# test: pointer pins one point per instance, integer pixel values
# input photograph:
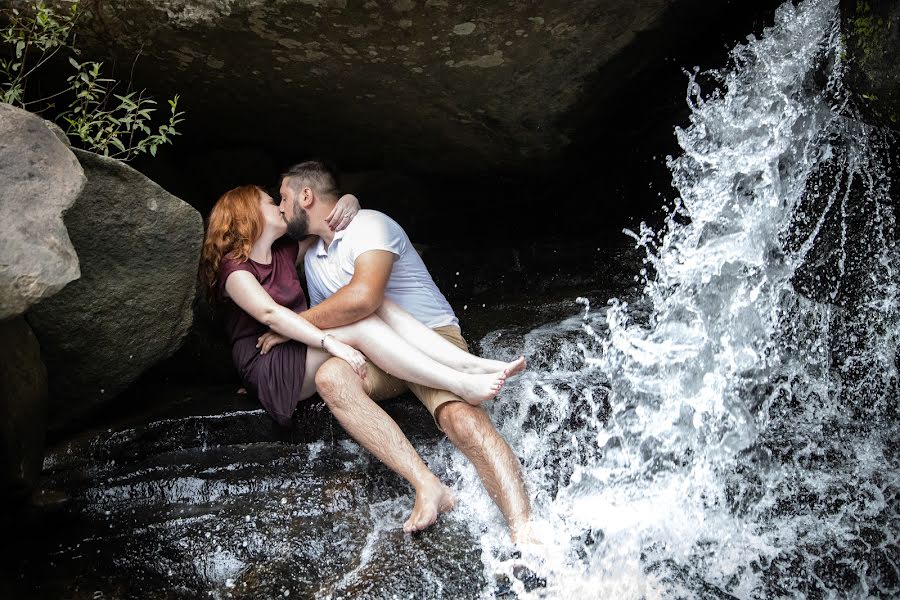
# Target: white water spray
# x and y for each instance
(737, 439)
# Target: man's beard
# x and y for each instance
(298, 226)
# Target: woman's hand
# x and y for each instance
(269, 340)
(343, 212)
(353, 356)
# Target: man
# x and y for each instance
(349, 273)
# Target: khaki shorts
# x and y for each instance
(383, 386)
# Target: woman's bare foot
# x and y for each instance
(515, 367)
(476, 389)
(489, 365)
(431, 500)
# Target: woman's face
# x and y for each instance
(272, 217)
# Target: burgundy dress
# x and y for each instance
(276, 377)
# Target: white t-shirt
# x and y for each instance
(410, 285)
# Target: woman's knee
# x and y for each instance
(387, 308)
(357, 333)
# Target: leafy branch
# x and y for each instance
(116, 125)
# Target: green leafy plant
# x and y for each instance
(116, 125)
(869, 31)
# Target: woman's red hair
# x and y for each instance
(235, 222)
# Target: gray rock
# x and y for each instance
(23, 409)
(139, 248)
(445, 86)
(59, 133)
(41, 179)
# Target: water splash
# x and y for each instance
(732, 433)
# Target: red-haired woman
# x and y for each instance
(248, 267)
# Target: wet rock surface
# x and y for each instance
(233, 505)
(23, 410)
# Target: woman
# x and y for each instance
(249, 268)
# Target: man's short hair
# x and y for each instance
(316, 174)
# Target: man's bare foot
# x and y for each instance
(431, 500)
(525, 535)
(476, 389)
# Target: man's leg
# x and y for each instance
(470, 429)
(348, 398)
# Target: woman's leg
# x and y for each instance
(381, 344)
(436, 347)
(315, 358)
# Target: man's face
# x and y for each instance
(294, 215)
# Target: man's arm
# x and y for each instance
(359, 298)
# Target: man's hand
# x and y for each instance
(343, 212)
(269, 340)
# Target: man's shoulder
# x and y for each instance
(369, 224)
(369, 218)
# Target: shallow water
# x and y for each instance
(229, 505)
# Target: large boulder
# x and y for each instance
(41, 179)
(23, 409)
(139, 248)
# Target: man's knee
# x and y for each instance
(461, 421)
(336, 381)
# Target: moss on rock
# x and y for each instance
(872, 34)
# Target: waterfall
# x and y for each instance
(731, 432)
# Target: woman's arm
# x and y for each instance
(343, 212)
(246, 292)
(339, 217)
